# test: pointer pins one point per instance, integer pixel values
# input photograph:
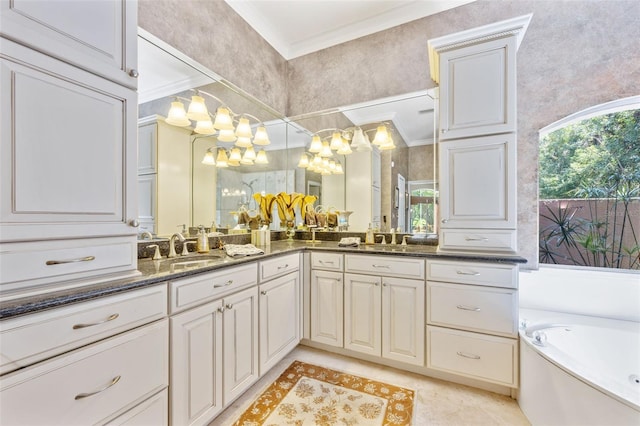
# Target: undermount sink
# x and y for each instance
(192, 261)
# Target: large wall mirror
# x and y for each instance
(187, 176)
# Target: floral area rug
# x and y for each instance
(306, 394)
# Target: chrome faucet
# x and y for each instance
(528, 331)
(172, 244)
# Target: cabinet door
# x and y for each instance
(478, 89)
(403, 321)
(362, 315)
(99, 36)
(147, 198)
(147, 144)
(196, 365)
(240, 342)
(279, 319)
(327, 308)
(72, 174)
(477, 183)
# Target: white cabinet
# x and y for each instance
(384, 316)
(363, 314)
(476, 70)
(279, 319)
(478, 183)
(99, 36)
(362, 194)
(68, 136)
(472, 318)
(164, 176)
(240, 343)
(327, 307)
(196, 364)
(478, 89)
(91, 385)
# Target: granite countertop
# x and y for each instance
(158, 271)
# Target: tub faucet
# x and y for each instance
(542, 326)
(172, 244)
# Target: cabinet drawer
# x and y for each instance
(489, 274)
(478, 239)
(199, 289)
(32, 338)
(90, 385)
(391, 266)
(488, 358)
(279, 266)
(484, 309)
(153, 411)
(327, 261)
(24, 265)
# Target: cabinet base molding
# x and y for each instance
(491, 387)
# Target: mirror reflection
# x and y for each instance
(374, 162)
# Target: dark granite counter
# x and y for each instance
(158, 271)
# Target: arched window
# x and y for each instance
(589, 187)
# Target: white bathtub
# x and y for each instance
(587, 373)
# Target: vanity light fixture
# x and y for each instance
(316, 144)
(261, 157)
(336, 141)
(243, 130)
(197, 109)
(261, 138)
(235, 155)
(223, 120)
(177, 116)
(325, 152)
(226, 135)
(208, 158)
(360, 141)
(381, 137)
(222, 160)
(204, 128)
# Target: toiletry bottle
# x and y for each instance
(203, 241)
(368, 238)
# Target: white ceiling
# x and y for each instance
(298, 27)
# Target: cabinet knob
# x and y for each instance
(134, 223)
(445, 220)
(134, 73)
(443, 130)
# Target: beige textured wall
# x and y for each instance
(575, 54)
(213, 34)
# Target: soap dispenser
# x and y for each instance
(203, 241)
(368, 237)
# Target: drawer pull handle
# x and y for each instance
(228, 283)
(476, 239)
(286, 265)
(229, 306)
(263, 292)
(80, 259)
(466, 355)
(86, 395)
(110, 318)
(475, 274)
(380, 266)
(328, 262)
(468, 308)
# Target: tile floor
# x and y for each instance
(437, 402)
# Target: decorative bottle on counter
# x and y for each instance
(203, 241)
(368, 237)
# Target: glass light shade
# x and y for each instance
(359, 143)
(326, 150)
(336, 141)
(317, 160)
(222, 160)
(261, 138)
(339, 169)
(208, 158)
(246, 161)
(345, 149)
(388, 145)
(243, 142)
(261, 157)
(304, 161)
(332, 165)
(382, 136)
(223, 120)
(249, 154)
(244, 128)
(234, 163)
(177, 116)
(204, 128)
(226, 135)
(316, 144)
(197, 109)
(365, 146)
(235, 155)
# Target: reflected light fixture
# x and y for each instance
(223, 120)
(316, 144)
(261, 138)
(222, 160)
(226, 135)
(208, 158)
(261, 157)
(325, 152)
(205, 128)
(243, 130)
(336, 141)
(177, 115)
(197, 109)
